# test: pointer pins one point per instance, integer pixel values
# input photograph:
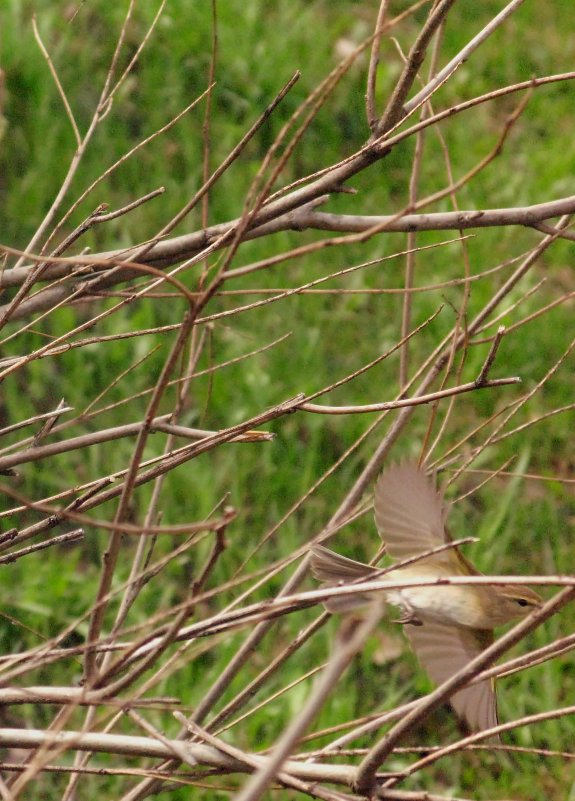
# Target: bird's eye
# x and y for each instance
(522, 602)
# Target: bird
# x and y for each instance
(447, 626)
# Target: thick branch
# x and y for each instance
(35, 454)
(202, 755)
(172, 251)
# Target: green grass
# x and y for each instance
(524, 526)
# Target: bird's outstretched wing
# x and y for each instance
(443, 651)
(409, 512)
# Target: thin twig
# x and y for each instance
(371, 113)
(416, 401)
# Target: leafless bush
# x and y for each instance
(125, 665)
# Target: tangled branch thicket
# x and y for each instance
(192, 397)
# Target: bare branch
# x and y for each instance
(479, 383)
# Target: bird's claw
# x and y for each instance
(408, 618)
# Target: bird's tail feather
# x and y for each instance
(333, 570)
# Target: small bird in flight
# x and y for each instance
(450, 625)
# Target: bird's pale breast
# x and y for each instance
(458, 605)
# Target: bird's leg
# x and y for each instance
(407, 616)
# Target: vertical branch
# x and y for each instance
(394, 110)
(411, 236)
(206, 133)
(370, 109)
(113, 550)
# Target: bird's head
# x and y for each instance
(511, 602)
